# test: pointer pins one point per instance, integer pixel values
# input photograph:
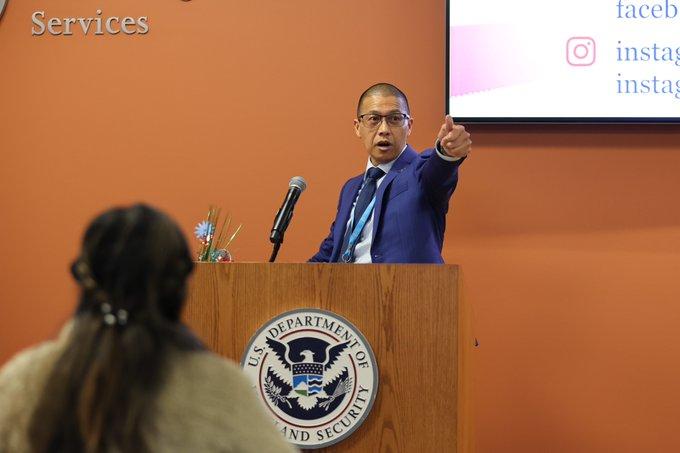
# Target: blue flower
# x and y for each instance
(203, 230)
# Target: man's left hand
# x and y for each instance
(454, 139)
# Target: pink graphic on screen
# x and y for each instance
(485, 57)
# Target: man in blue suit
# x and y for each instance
(395, 212)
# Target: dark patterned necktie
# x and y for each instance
(365, 196)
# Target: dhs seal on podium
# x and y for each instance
(315, 373)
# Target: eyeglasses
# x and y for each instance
(373, 120)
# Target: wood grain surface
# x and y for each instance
(409, 314)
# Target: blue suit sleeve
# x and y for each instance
(438, 178)
(326, 249)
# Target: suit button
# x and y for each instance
(376, 257)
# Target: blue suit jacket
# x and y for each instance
(410, 211)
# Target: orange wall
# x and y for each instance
(569, 236)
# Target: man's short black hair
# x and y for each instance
(383, 89)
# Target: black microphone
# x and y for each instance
(296, 186)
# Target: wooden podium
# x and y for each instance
(413, 316)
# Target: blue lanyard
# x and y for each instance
(356, 232)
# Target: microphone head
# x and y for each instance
(299, 182)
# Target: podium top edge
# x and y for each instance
(261, 263)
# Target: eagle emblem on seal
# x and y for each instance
(309, 377)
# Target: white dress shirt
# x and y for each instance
(362, 251)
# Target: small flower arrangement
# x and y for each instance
(215, 244)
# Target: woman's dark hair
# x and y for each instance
(132, 270)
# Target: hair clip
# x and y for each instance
(122, 316)
(110, 319)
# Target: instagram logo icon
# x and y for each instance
(581, 51)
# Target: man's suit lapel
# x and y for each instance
(402, 162)
(346, 203)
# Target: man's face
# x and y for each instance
(383, 142)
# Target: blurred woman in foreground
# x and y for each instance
(125, 375)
